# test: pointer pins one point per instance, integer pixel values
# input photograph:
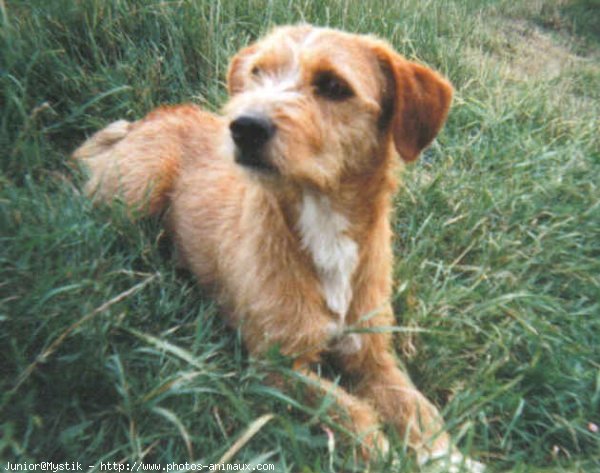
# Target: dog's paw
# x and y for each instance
(348, 344)
(375, 445)
(444, 462)
(340, 342)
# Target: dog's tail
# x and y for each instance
(137, 162)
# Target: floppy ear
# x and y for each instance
(420, 100)
(235, 73)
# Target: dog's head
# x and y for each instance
(315, 105)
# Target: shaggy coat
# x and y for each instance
(281, 205)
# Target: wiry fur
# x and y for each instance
(298, 255)
(334, 254)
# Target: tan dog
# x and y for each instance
(282, 207)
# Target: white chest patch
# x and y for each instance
(334, 254)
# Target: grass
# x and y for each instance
(109, 353)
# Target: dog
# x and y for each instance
(281, 206)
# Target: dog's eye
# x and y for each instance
(255, 71)
(331, 87)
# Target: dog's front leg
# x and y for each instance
(397, 400)
(354, 414)
(400, 403)
(304, 342)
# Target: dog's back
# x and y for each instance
(142, 169)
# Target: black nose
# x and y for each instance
(251, 132)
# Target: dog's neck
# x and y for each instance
(335, 255)
(336, 230)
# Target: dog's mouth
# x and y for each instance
(254, 161)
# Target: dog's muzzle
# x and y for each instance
(251, 134)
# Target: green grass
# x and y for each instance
(110, 353)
